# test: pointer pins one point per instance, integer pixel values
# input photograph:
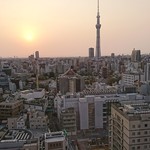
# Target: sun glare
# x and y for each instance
(29, 36)
(29, 33)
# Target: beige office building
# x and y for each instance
(130, 127)
(38, 120)
(10, 109)
(68, 121)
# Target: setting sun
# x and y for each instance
(29, 36)
(29, 33)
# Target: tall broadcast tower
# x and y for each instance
(98, 26)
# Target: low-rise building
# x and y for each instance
(10, 108)
(16, 123)
(92, 111)
(37, 120)
(28, 94)
(55, 141)
(68, 121)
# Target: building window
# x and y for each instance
(138, 140)
(133, 133)
(145, 125)
(145, 132)
(145, 146)
(104, 105)
(138, 147)
(138, 133)
(145, 140)
(133, 126)
(133, 148)
(139, 126)
(133, 141)
(49, 145)
(104, 114)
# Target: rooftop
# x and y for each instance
(9, 102)
(70, 73)
(17, 135)
(132, 112)
(31, 91)
(140, 108)
(55, 136)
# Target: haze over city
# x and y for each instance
(67, 28)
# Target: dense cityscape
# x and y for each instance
(76, 103)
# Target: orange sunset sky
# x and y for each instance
(67, 27)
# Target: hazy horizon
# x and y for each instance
(67, 28)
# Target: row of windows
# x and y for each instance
(21, 123)
(139, 147)
(40, 121)
(54, 145)
(139, 140)
(139, 126)
(5, 106)
(139, 133)
(39, 125)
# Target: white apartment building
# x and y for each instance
(28, 94)
(129, 79)
(17, 123)
(62, 103)
(91, 110)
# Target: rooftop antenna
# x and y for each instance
(98, 6)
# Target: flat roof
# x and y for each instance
(9, 102)
(55, 139)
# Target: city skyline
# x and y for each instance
(67, 28)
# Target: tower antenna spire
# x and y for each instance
(98, 26)
(98, 6)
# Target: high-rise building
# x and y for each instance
(112, 55)
(6, 67)
(4, 81)
(147, 72)
(91, 111)
(37, 55)
(136, 55)
(31, 57)
(91, 52)
(98, 26)
(129, 127)
(104, 72)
